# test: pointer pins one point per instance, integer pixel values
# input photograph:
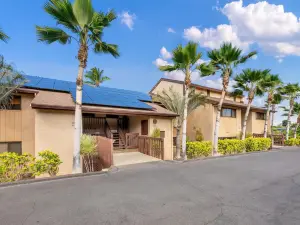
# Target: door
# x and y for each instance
(144, 127)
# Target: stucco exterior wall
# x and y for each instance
(135, 124)
(201, 118)
(164, 85)
(166, 125)
(18, 125)
(54, 131)
(257, 126)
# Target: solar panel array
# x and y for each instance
(92, 95)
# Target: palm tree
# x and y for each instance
(81, 23)
(277, 99)
(272, 83)
(185, 59)
(296, 112)
(95, 77)
(174, 102)
(224, 60)
(290, 92)
(3, 36)
(10, 81)
(251, 81)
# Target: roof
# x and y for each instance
(64, 101)
(197, 86)
(104, 96)
(234, 104)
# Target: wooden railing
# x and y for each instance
(278, 139)
(132, 140)
(151, 146)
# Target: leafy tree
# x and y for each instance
(10, 81)
(3, 36)
(252, 82)
(271, 85)
(223, 60)
(95, 77)
(295, 112)
(290, 92)
(174, 102)
(79, 22)
(185, 59)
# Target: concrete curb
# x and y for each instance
(224, 156)
(62, 177)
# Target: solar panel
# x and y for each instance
(93, 95)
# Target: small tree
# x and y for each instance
(174, 102)
(251, 81)
(48, 163)
(295, 112)
(95, 77)
(88, 147)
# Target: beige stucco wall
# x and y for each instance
(135, 124)
(54, 131)
(256, 126)
(166, 125)
(201, 118)
(164, 85)
(18, 125)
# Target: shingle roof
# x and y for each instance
(92, 95)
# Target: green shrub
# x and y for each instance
(199, 134)
(231, 146)
(14, 167)
(49, 163)
(88, 149)
(198, 149)
(257, 144)
(292, 142)
(156, 133)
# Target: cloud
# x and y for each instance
(217, 83)
(171, 30)
(160, 62)
(165, 54)
(128, 19)
(275, 30)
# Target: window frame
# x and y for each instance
(259, 117)
(13, 142)
(232, 113)
(13, 106)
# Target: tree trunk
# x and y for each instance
(178, 143)
(272, 124)
(289, 119)
(77, 126)
(184, 122)
(267, 120)
(296, 128)
(246, 119)
(217, 125)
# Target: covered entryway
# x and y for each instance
(134, 157)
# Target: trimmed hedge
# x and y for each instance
(231, 146)
(257, 144)
(198, 149)
(292, 142)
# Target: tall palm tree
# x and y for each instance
(185, 59)
(3, 36)
(174, 101)
(10, 81)
(224, 60)
(295, 112)
(290, 92)
(271, 85)
(277, 99)
(252, 82)
(78, 22)
(95, 77)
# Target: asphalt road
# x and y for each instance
(255, 189)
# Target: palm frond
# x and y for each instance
(103, 47)
(83, 11)
(3, 36)
(50, 35)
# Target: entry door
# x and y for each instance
(144, 127)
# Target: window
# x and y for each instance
(260, 116)
(11, 147)
(15, 104)
(227, 112)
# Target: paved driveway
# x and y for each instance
(254, 189)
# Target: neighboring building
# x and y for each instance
(204, 117)
(41, 117)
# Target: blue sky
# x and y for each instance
(270, 27)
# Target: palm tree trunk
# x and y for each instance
(178, 142)
(184, 122)
(272, 124)
(296, 128)
(289, 120)
(246, 119)
(267, 120)
(78, 121)
(217, 125)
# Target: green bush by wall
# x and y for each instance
(292, 142)
(257, 144)
(198, 149)
(231, 146)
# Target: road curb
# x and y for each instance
(111, 170)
